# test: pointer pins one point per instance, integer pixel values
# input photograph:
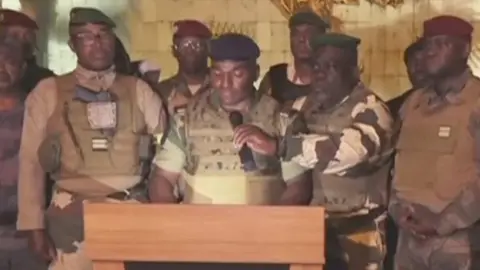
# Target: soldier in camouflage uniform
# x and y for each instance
(202, 146)
(287, 82)
(14, 251)
(92, 132)
(413, 58)
(436, 186)
(345, 139)
(190, 48)
(200, 157)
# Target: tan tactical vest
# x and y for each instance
(435, 151)
(363, 187)
(70, 126)
(214, 174)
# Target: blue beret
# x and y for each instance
(235, 47)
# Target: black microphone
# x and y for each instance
(246, 155)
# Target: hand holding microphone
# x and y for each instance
(252, 136)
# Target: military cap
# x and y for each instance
(83, 15)
(186, 28)
(449, 26)
(308, 17)
(233, 46)
(334, 39)
(10, 17)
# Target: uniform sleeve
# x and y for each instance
(463, 211)
(171, 156)
(151, 106)
(364, 138)
(291, 169)
(39, 106)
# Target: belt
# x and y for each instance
(136, 192)
(358, 223)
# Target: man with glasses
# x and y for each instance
(190, 48)
(93, 128)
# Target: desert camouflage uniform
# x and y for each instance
(176, 92)
(204, 121)
(345, 145)
(63, 219)
(450, 202)
(177, 155)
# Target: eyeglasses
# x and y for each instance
(90, 38)
(193, 45)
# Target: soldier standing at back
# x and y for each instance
(287, 82)
(14, 251)
(413, 58)
(190, 48)
(436, 186)
(347, 146)
(17, 25)
(92, 134)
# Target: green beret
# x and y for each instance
(308, 17)
(338, 40)
(83, 15)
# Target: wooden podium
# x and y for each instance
(115, 233)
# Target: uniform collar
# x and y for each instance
(181, 85)
(431, 100)
(95, 80)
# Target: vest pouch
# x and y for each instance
(124, 152)
(340, 194)
(264, 190)
(228, 188)
(49, 154)
(425, 159)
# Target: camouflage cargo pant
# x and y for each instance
(459, 251)
(354, 244)
(20, 259)
(65, 228)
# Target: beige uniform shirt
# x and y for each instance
(39, 106)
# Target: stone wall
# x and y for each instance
(385, 32)
(146, 28)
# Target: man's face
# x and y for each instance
(416, 69)
(331, 71)
(300, 36)
(191, 53)
(22, 34)
(94, 45)
(233, 80)
(442, 54)
(12, 65)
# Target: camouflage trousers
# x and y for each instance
(20, 259)
(65, 228)
(355, 245)
(459, 251)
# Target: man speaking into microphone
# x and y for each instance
(222, 147)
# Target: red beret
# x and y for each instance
(193, 28)
(12, 17)
(449, 26)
